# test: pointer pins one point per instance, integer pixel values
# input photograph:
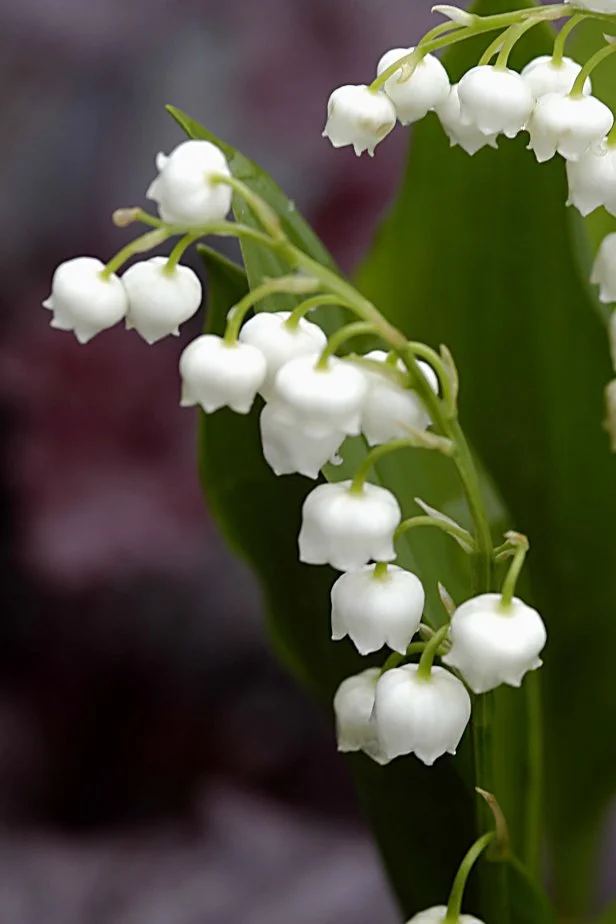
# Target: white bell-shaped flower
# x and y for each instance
(418, 93)
(567, 125)
(438, 914)
(376, 609)
(322, 399)
(492, 644)
(604, 270)
(543, 76)
(421, 716)
(595, 6)
(495, 100)
(353, 705)
(289, 449)
(389, 410)
(592, 180)
(347, 529)
(159, 301)
(466, 136)
(83, 300)
(269, 332)
(218, 374)
(360, 117)
(183, 189)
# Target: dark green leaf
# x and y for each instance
(478, 253)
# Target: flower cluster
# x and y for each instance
(551, 99)
(312, 400)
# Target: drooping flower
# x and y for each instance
(567, 125)
(592, 180)
(279, 343)
(493, 643)
(543, 75)
(353, 705)
(389, 410)
(84, 300)
(604, 269)
(423, 90)
(158, 300)
(470, 138)
(360, 117)
(217, 374)
(377, 608)
(288, 448)
(495, 100)
(421, 716)
(322, 398)
(345, 528)
(185, 190)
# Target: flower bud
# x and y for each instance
(288, 448)
(438, 914)
(592, 180)
(279, 343)
(468, 137)
(218, 374)
(353, 705)
(390, 410)
(543, 76)
(83, 300)
(421, 716)
(495, 100)
(425, 88)
(604, 269)
(567, 125)
(377, 609)
(322, 399)
(183, 189)
(159, 301)
(493, 644)
(347, 529)
(359, 116)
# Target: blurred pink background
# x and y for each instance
(156, 765)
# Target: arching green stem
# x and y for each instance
(357, 485)
(454, 905)
(561, 39)
(513, 574)
(457, 532)
(480, 25)
(139, 245)
(287, 284)
(430, 651)
(357, 329)
(178, 251)
(577, 90)
(266, 215)
(317, 301)
(511, 37)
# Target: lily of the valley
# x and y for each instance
(377, 606)
(494, 643)
(346, 528)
